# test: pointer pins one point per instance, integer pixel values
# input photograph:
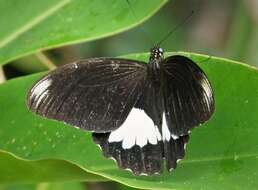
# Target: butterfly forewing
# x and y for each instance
(188, 96)
(94, 94)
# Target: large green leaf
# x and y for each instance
(222, 154)
(46, 186)
(28, 26)
(66, 186)
(15, 169)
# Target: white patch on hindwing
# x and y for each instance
(138, 129)
(166, 135)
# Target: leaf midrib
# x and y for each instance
(211, 159)
(33, 22)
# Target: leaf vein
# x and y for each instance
(30, 24)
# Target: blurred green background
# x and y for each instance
(217, 28)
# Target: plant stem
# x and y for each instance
(2, 75)
(45, 60)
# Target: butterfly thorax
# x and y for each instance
(156, 57)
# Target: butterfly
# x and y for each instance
(140, 114)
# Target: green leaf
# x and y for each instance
(28, 26)
(222, 154)
(66, 186)
(14, 169)
(46, 186)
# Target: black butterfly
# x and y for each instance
(139, 113)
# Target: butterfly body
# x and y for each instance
(140, 114)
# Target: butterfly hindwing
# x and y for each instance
(136, 145)
(174, 151)
(151, 101)
(142, 150)
(93, 94)
(141, 142)
(145, 160)
(188, 96)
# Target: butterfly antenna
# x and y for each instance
(177, 26)
(135, 17)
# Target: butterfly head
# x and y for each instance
(156, 53)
